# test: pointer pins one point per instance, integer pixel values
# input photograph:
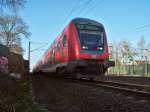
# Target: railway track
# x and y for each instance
(134, 89)
(128, 88)
(64, 94)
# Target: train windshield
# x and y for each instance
(91, 37)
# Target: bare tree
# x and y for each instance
(127, 52)
(141, 42)
(12, 4)
(148, 46)
(114, 52)
(141, 47)
(12, 29)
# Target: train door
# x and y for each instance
(65, 48)
(58, 53)
(53, 56)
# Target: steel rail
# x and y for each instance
(126, 85)
(134, 89)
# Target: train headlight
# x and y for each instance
(100, 48)
(85, 47)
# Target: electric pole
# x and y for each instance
(29, 56)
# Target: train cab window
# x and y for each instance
(64, 41)
(91, 37)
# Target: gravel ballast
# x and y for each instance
(60, 95)
(127, 79)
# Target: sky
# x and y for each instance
(122, 19)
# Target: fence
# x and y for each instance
(141, 70)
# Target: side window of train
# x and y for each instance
(58, 46)
(64, 41)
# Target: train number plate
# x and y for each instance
(93, 56)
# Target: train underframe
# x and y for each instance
(85, 68)
(80, 68)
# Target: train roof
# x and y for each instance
(86, 21)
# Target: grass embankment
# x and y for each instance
(15, 96)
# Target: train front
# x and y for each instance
(92, 52)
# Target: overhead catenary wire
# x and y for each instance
(75, 8)
(95, 6)
(143, 26)
(68, 15)
(38, 42)
(39, 48)
(72, 10)
(136, 29)
(85, 6)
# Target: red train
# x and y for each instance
(81, 48)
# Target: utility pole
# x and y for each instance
(29, 56)
(117, 62)
(146, 65)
